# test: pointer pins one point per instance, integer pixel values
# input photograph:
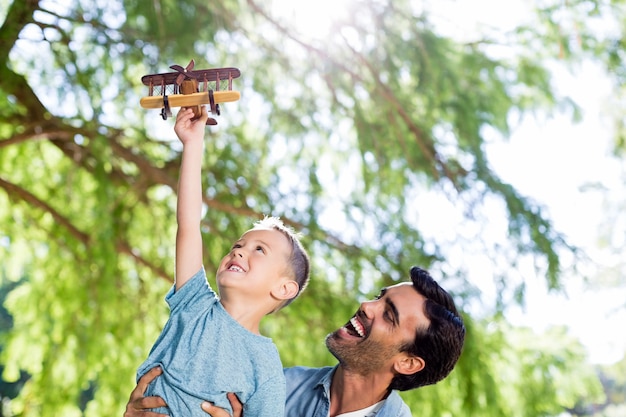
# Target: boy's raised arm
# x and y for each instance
(189, 203)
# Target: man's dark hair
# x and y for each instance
(441, 343)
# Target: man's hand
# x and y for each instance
(220, 412)
(137, 404)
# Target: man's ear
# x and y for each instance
(408, 364)
(285, 290)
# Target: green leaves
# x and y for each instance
(339, 137)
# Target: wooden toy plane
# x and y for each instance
(187, 87)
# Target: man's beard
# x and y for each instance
(363, 357)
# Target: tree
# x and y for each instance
(338, 136)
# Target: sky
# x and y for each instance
(553, 161)
(566, 157)
(557, 163)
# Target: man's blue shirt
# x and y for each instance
(308, 394)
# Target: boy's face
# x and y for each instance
(255, 263)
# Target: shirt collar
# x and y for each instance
(326, 379)
(392, 406)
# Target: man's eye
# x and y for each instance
(388, 316)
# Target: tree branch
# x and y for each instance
(16, 192)
(19, 15)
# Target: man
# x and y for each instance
(411, 335)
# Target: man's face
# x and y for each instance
(370, 341)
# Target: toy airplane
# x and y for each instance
(190, 88)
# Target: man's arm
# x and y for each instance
(189, 203)
(137, 403)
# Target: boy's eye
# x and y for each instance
(260, 248)
(236, 246)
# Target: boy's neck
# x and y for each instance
(242, 313)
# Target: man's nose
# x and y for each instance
(369, 308)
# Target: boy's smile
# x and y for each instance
(233, 266)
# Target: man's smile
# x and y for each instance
(355, 328)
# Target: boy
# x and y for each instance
(211, 345)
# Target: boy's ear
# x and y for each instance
(286, 289)
(407, 364)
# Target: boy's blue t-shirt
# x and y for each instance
(205, 354)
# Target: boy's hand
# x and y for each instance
(187, 128)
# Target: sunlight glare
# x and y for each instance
(313, 20)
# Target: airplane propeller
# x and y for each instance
(184, 72)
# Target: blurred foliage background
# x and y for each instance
(344, 125)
